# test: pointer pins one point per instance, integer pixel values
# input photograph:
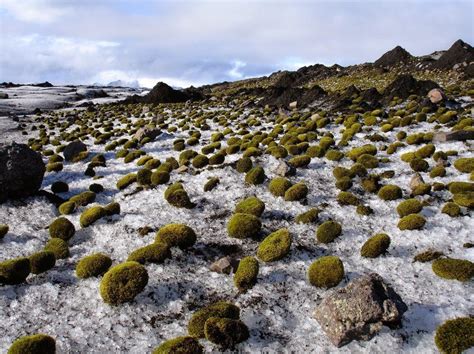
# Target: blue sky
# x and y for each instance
(199, 42)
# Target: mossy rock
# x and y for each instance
(347, 198)
(299, 161)
(245, 276)
(244, 165)
(464, 199)
(390, 192)
(200, 161)
(361, 150)
(451, 209)
(412, 222)
(375, 246)
(225, 332)
(83, 198)
(427, 256)
(93, 265)
(437, 171)
(409, 206)
(371, 183)
(33, 344)
(425, 151)
(91, 215)
(219, 309)
(112, 209)
(452, 268)
(42, 261)
(67, 208)
(180, 345)
(455, 336)
(340, 172)
(250, 205)
(157, 252)
(368, 161)
(123, 282)
(278, 186)
(159, 177)
(243, 225)
(255, 176)
(358, 169)
(59, 187)
(176, 235)
(14, 271)
(275, 246)
(464, 164)
(3, 230)
(326, 272)
(126, 181)
(461, 187)
(62, 228)
(178, 197)
(328, 231)
(144, 177)
(419, 165)
(211, 184)
(308, 217)
(364, 210)
(334, 155)
(296, 192)
(59, 248)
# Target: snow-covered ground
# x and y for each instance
(278, 310)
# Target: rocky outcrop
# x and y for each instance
(73, 149)
(405, 85)
(393, 57)
(459, 53)
(163, 93)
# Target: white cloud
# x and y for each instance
(37, 11)
(235, 72)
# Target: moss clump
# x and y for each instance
(144, 177)
(211, 184)
(200, 161)
(340, 172)
(427, 256)
(452, 209)
(375, 246)
(438, 171)
(464, 199)
(62, 228)
(255, 176)
(347, 198)
(296, 192)
(42, 261)
(334, 155)
(219, 309)
(344, 183)
(154, 253)
(250, 205)
(83, 198)
(67, 208)
(412, 222)
(299, 161)
(371, 183)
(368, 161)
(419, 165)
(326, 272)
(112, 209)
(159, 177)
(421, 189)
(455, 336)
(59, 248)
(461, 187)
(364, 210)
(452, 268)
(123, 282)
(361, 150)
(246, 274)
(425, 151)
(275, 246)
(126, 181)
(308, 217)
(328, 231)
(244, 165)
(180, 345)
(390, 192)
(409, 206)
(91, 215)
(176, 235)
(243, 225)
(3, 230)
(177, 196)
(33, 344)
(14, 271)
(93, 265)
(465, 164)
(278, 186)
(225, 332)
(358, 169)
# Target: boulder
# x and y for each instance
(3, 95)
(293, 105)
(458, 135)
(223, 265)
(73, 149)
(147, 132)
(436, 95)
(284, 170)
(416, 181)
(21, 171)
(359, 310)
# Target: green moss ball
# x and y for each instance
(144, 177)
(409, 206)
(91, 215)
(159, 177)
(14, 271)
(123, 282)
(243, 225)
(465, 164)
(59, 248)
(246, 274)
(93, 265)
(219, 309)
(300, 161)
(308, 216)
(255, 176)
(154, 253)
(328, 231)
(455, 336)
(461, 187)
(225, 332)
(176, 235)
(83, 198)
(452, 268)
(412, 222)
(177, 196)
(364, 210)
(211, 184)
(3, 230)
(200, 161)
(390, 192)
(33, 344)
(326, 272)
(112, 209)
(244, 165)
(126, 181)
(67, 208)
(180, 345)
(368, 161)
(419, 165)
(42, 261)
(347, 198)
(62, 228)
(451, 209)
(275, 246)
(464, 199)
(375, 246)
(296, 192)
(278, 186)
(250, 205)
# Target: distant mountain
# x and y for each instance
(393, 57)
(163, 93)
(121, 83)
(459, 53)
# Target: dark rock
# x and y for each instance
(406, 85)
(146, 132)
(393, 57)
(91, 93)
(21, 171)
(3, 95)
(460, 52)
(458, 135)
(282, 97)
(359, 310)
(43, 84)
(163, 93)
(223, 265)
(73, 149)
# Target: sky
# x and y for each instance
(191, 42)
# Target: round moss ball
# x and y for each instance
(275, 246)
(456, 335)
(14, 271)
(3, 230)
(326, 272)
(59, 187)
(42, 261)
(112, 209)
(375, 246)
(243, 225)
(62, 228)
(390, 192)
(409, 206)
(225, 332)
(244, 165)
(347, 198)
(451, 209)
(154, 253)
(200, 161)
(250, 205)
(93, 265)
(91, 215)
(58, 246)
(123, 282)
(328, 231)
(159, 177)
(299, 161)
(278, 186)
(464, 164)
(219, 309)
(308, 216)
(176, 235)
(245, 276)
(33, 344)
(412, 222)
(452, 268)
(296, 192)
(255, 176)
(464, 199)
(184, 345)
(67, 208)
